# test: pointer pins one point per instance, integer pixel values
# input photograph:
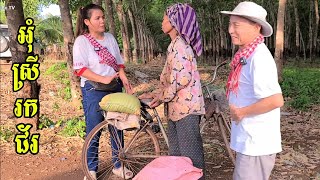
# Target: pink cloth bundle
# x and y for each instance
(169, 168)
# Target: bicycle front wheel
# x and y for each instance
(106, 147)
(224, 127)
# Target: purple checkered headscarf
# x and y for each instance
(183, 18)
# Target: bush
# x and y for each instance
(302, 86)
(59, 71)
(65, 93)
(74, 127)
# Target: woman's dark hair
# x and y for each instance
(85, 13)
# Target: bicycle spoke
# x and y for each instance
(105, 152)
(143, 161)
(99, 163)
(137, 165)
(133, 168)
(135, 137)
(145, 149)
(106, 172)
(115, 137)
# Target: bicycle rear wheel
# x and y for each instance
(224, 127)
(139, 147)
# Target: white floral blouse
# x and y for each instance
(180, 82)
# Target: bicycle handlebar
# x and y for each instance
(215, 71)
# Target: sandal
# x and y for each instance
(119, 172)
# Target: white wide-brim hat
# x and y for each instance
(253, 12)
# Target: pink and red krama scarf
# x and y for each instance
(236, 66)
(105, 56)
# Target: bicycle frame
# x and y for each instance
(206, 90)
(217, 115)
(161, 126)
(215, 73)
(128, 155)
(159, 122)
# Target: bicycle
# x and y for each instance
(214, 110)
(140, 146)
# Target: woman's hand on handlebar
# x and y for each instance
(155, 99)
(155, 102)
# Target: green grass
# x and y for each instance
(65, 93)
(59, 72)
(6, 133)
(45, 122)
(70, 127)
(74, 127)
(302, 86)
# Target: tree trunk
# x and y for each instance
(111, 23)
(152, 48)
(310, 30)
(145, 45)
(296, 15)
(273, 39)
(126, 44)
(138, 30)
(31, 89)
(303, 48)
(68, 43)
(279, 38)
(221, 36)
(211, 45)
(316, 27)
(150, 52)
(205, 46)
(138, 39)
(217, 45)
(135, 39)
(125, 25)
(97, 2)
(145, 39)
(287, 32)
(141, 45)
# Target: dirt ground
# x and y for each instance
(59, 157)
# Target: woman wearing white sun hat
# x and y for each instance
(254, 94)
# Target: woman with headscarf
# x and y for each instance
(180, 87)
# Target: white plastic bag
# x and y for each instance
(123, 120)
